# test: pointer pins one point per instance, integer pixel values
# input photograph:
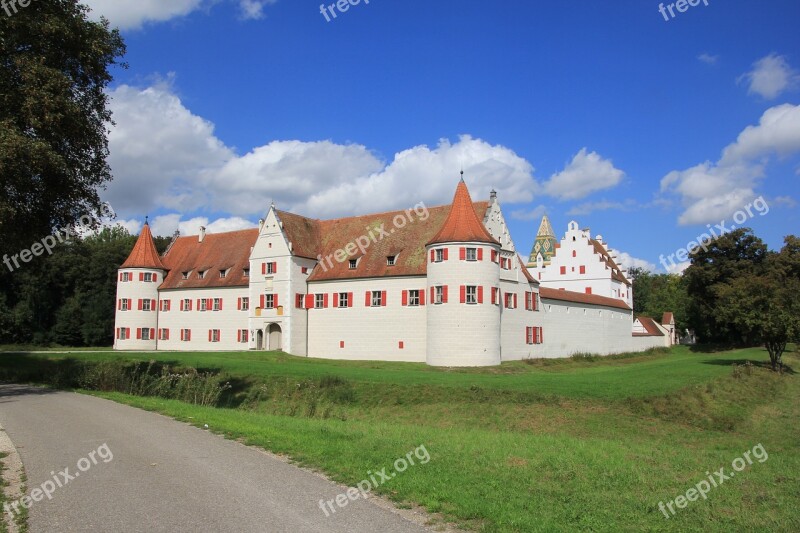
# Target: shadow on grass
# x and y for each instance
(741, 362)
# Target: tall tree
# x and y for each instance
(54, 68)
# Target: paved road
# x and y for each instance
(164, 475)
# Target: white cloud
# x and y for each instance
(627, 261)
(165, 225)
(708, 58)
(585, 174)
(771, 75)
(710, 192)
(133, 14)
(784, 201)
(678, 268)
(164, 156)
(530, 214)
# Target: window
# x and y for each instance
(511, 301)
(534, 335)
(124, 304)
(145, 334)
(186, 335)
(126, 276)
(186, 305)
(166, 305)
(530, 301)
(247, 272)
(217, 304)
(299, 300)
(344, 299)
(472, 254)
(203, 305)
(353, 264)
(440, 255)
(271, 269)
(439, 294)
(495, 295)
(413, 298)
(319, 301)
(244, 304)
(269, 301)
(146, 305)
(304, 270)
(185, 275)
(163, 334)
(471, 294)
(123, 334)
(583, 269)
(242, 336)
(213, 335)
(148, 277)
(391, 260)
(201, 275)
(378, 298)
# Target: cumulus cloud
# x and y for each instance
(708, 59)
(588, 172)
(166, 225)
(710, 192)
(771, 75)
(627, 261)
(133, 14)
(164, 156)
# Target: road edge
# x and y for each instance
(13, 476)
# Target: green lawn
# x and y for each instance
(551, 446)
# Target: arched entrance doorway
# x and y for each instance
(259, 340)
(275, 337)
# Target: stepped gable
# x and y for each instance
(407, 243)
(582, 298)
(144, 254)
(217, 252)
(462, 223)
(616, 270)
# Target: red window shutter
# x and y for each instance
(383, 298)
(494, 295)
(583, 269)
(263, 268)
(120, 276)
(298, 300)
(494, 256)
(433, 258)
(118, 333)
(401, 345)
(462, 253)
(169, 305)
(138, 333)
(263, 302)
(588, 290)
(563, 270)
(238, 304)
(209, 335)
(444, 294)
(119, 304)
(444, 254)
(155, 278)
(325, 301)
(198, 304)
(368, 299)
(480, 254)
(341, 344)
(349, 299)
(141, 304)
(220, 303)
(541, 335)
(527, 335)
(189, 335)
(463, 294)
(433, 294)
(480, 295)
(309, 301)
(209, 303)
(335, 300)
(190, 305)
(141, 276)
(152, 333)
(238, 335)
(405, 298)
(422, 297)
(515, 301)
(153, 305)
(275, 267)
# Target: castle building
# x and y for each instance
(578, 263)
(441, 285)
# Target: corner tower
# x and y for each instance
(136, 322)
(463, 274)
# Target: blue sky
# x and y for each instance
(641, 128)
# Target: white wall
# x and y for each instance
(135, 290)
(513, 323)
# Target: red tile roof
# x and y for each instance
(668, 318)
(407, 243)
(218, 252)
(462, 224)
(144, 254)
(581, 298)
(650, 326)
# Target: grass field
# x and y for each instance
(551, 446)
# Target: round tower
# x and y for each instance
(463, 322)
(138, 280)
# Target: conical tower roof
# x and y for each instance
(462, 223)
(545, 228)
(144, 254)
(545, 243)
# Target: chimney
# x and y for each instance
(202, 235)
(493, 197)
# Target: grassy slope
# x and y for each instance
(548, 447)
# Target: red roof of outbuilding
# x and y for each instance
(462, 224)
(144, 254)
(650, 326)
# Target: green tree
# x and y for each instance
(54, 68)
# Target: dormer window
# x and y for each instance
(247, 272)
(391, 260)
(353, 264)
(185, 275)
(223, 273)
(201, 274)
